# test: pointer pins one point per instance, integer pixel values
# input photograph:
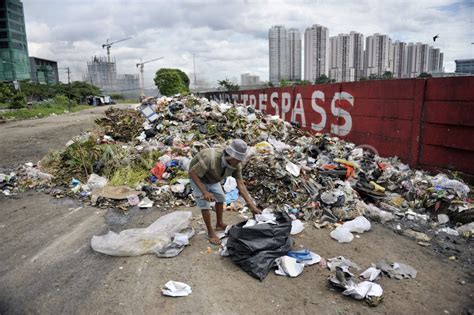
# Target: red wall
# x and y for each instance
(428, 123)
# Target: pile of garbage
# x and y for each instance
(140, 157)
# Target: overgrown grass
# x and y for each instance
(59, 105)
(28, 113)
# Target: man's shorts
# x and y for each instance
(215, 189)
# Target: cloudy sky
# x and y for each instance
(227, 37)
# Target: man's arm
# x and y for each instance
(243, 191)
(207, 195)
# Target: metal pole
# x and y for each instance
(68, 75)
(194, 65)
(108, 50)
(142, 79)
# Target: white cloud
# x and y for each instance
(228, 38)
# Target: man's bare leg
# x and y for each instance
(220, 225)
(206, 216)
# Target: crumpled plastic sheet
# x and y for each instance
(176, 289)
(288, 266)
(135, 242)
(332, 263)
(397, 270)
(343, 278)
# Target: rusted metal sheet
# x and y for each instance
(449, 136)
(450, 89)
(447, 158)
(450, 112)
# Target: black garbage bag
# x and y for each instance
(256, 248)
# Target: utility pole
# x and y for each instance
(194, 66)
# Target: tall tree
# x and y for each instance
(228, 85)
(170, 81)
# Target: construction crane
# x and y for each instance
(108, 45)
(142, 80)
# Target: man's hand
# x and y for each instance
(255, 210)
(208, 196)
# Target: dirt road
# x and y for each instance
(47, 265)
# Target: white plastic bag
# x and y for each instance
(296, 227)
(176, 288)
(95, 181)
(342, 235)
(135, 242)
(358, 225)
(293, 169)
(288, 266)
(230, 184)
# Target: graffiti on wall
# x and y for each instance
(318, 111)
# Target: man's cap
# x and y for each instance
(237, 149)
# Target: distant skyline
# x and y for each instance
(228, 39)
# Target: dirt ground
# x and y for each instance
(47, 265)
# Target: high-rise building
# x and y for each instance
(377, 55)
(316, 52)
(14, 63)
(435, 63)
(398, 60)
(346, 57)
(294, 47)
(423, 58)
(464, 66)
(279, 54)
(44, 71)
(248, 79)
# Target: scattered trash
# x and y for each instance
(256, 248)
(180, 240)
(397, 270)
(417, 235)
(293, 169)
(466, 229)
(376, 214)
(135, 242)
(96, 182)
(133, 200)
(449, 231)
(115, 192)
(312, 177)
(175, 288)
(342, 234)
(304, 256)
(332, 263)
(358, 225)
(296, 227)
(372, 292)
(145, 203)
(371, 274)
(288, 266)
(443, 218)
